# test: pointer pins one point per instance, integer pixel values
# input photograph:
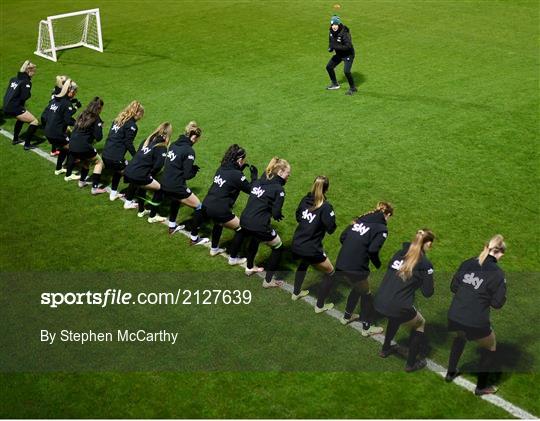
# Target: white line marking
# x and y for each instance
(512, 409)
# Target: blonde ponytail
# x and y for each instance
(276, 165)
(27, 65)
(134, 108)
(318, 191)
(414, 253)
(68, 86)
(384, 207)
(164, 130)
(496, 244)
(192, 129)
(60, 80)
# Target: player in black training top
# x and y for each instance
(340, 42)
(179, 167)
(478, 285)
(119, 141)
(57, 117)
(75, 103)
(17, 93)
(408, 271)
(315, 217)
(228, 182)
(142, 170)
(88, 128)
(361, 242)
(264, 203)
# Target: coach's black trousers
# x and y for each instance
(347, 66)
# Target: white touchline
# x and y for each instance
(509, 407)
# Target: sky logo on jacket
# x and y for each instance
(257, 191)
(145, 150)
(308, 216)
(171, 155)
(470, 279)
(13, 85)
(53, 107)
(115, 128)
(396, 264)
(219, 181)
(360, 228)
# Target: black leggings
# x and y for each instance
(347, 66)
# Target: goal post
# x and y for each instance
(69, 30)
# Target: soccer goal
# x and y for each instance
(69, 30)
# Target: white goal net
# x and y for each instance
(70, 30)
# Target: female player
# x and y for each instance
(477, 285)
(141, 171)
(179, 167)
(58, 116)
(408, 271)
(17, 93)
(360, 243)
(88, 128)
(265, 202)
(120, 139)
(229, 181)
(315, 217)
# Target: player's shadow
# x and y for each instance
(359, 79)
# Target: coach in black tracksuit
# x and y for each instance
(315, 217)
(87, 130)
(17, 93)
(361, 243)
(478, 285)
(340, 42)
(228, 182)
(142, 170)
(265, 202)
(408, 270)
(58, 116)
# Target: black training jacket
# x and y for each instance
(312, 226)
(341, 41)
(58, 115)
(395, 294)
(82, 140)
(120, 140)
(265, 201)
(477, 288)
(228, 182)
(148, 160)
(361, 242)
(179, 165)
(17, 92)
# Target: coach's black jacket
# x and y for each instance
(58, 115)
(17, 93)
(395, 294)
(82, 139)
(148, 160)
(361, 242)
(228, 182)
(477, 288)
(312, 226)
(120, 140)
(265, 201)
(341, 41)
(179, 165)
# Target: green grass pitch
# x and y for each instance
(444, 126)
